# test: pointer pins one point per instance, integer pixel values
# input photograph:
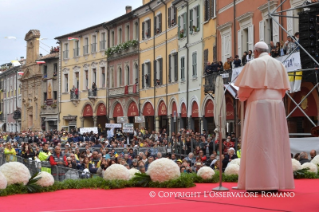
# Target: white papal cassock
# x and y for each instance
(265, 161)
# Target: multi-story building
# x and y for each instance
(245, 26)
(50, 88)
(31, 85)
(123, 76)
(82, 64)
(158, 65)
(191, 62)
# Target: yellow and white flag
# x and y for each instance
(295, 79)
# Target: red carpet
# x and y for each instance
(138, 199)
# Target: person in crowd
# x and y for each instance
(95, 162)
(58, 161)
(290, 46)
(94, 88)
(208, 68)
(297, 38)
(304, 158)
(228, 144)
(249, 57)
(148, 162)
(33, 138)
(10, 153)
(102, 167)
(297, 156)
(211, 161)
(27, 151)
(238, 153)
(282, 48)
(229, 157)
(220, 66)
(237, 61)
(228, 64)
(244, 58)
(273, 51)
(313, 154)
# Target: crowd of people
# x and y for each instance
(93, 153)
(277, 49)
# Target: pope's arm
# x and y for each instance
(244, 93)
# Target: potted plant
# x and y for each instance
(54, 105)
(43, 106)
(181, 33)
(195, 29)
(126, 45)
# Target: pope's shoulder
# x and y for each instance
(264, 59)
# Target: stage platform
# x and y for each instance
(199, 198)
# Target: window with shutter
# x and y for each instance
(155, 25)
(290, 22)
(160, 22)
(155, 73)
(239, 43)
(149, 28)
(161, 71)
(261, 30)
(143, 30)
(215, 53)
(175, 16)
(275, 29)
(206, 10)
(184, 24)
(143, 78)
(194, 63)
(169, 67)
(176, 66)
(198, 18)
(149, 74)
(191, 21)
(183, 68)
(179, 26)
(212, 9)
(169, 17)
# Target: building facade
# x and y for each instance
(50, 88)
(82, 64)
(123, 68)
(31, 85)
(158, 65)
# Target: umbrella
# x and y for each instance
(220, 122)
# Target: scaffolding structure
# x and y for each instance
(313, 71)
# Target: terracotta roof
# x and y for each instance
(50, 56)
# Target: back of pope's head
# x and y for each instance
(260, 47)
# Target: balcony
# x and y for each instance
(121, 91)
(49, 109)
(122, 50)
(74, 97)
(93, 47)
(210, 80)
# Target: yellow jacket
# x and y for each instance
(11, 151)
(227, 66)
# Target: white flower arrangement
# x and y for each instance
(163, 169)
(116, 172)
(3, 181)
(312, 167)
(295, 165)
(232, 169)
(205, 172)
(46, 179)
(15, 172)
(235, 161)
(132, 172)
(315, 160)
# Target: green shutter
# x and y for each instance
(191, 21)
(179, 26)
(198, 18)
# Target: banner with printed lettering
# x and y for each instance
(292, 64)
(88, 130)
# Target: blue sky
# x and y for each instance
(53, 18)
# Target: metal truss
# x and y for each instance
(273, 13)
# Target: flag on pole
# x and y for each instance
(20, 73)
(295, 79)
(71, 38)
(40, 61)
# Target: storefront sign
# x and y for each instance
(184, 111)
(122, 119)
(118, 111)
(69, 118)
(132, 110)
(209, 109)
(128, 128)
(109, 125)
(162, 110)
(148, 110)
(101, 110)
(88, 111)
(88, 130)
(195, 112)
(139, 119)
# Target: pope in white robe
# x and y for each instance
(266, 159)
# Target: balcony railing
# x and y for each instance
(210, 80)
(76, 52)
(74, 96)
(93, 47)
(65, 54)
(102, 44)
(92, 93)
(85, 49)
(129, 89)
